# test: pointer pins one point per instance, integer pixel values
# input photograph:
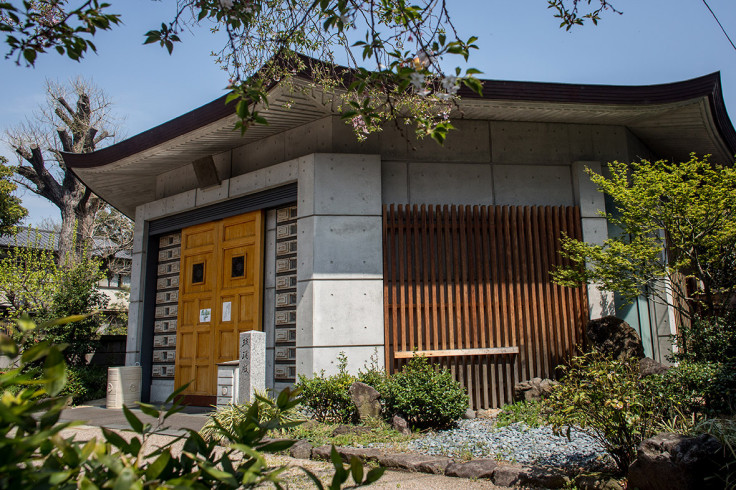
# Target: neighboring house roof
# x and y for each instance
(49, 240)
(671, 119)
(24, 237)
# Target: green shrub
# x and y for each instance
(77, 292)
(327, 397)
(373, 375)
(525, 412)
(426, 396)
(694, 388)
(604, 398)
(710, 340)
(85, 383)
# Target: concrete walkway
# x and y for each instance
(94, 415)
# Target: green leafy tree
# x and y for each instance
(394, 50)
(677, 225)
(29, 275)
(34, 283)
(11, 211)
(76, 292)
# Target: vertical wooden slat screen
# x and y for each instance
(470, 287)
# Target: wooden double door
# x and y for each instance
(220, 295)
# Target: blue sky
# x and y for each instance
(654, 41)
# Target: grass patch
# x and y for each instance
(526, 412)
(371, 432)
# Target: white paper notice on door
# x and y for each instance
(204, 315)
(226, 311)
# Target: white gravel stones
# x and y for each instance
(516, 443)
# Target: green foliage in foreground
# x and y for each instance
(33, 454)
(687, 208)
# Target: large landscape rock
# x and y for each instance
(346, 453)
(367, 399)
(301, 450)
(478, 468)
(648, 367)
(516, 476)
(614, 336)
(414, 462)
(597, 481)
(400, 424)
(535, 389)
(676, 462)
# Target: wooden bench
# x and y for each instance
(491, 351)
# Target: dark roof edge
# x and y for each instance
(704, 86)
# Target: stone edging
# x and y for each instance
(501, 474)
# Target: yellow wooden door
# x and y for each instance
(220, 295)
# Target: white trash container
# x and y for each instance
(123, 386)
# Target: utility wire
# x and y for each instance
(719, 24)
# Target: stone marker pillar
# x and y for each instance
(252, 369)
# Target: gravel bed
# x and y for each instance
(516, 443)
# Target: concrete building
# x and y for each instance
(290, 228)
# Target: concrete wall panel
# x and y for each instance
(348, 246)
(213, 194)
(581, 142)
(223, 164)
(468, 143)
(450, 183)
(135, 338)
(609, 143)
(394, 186)
(533, 185)
(176, 181)
(345, 140)
(587, 195)
(340, 184)
(161, 389)
(348, 312)
(314, 137)
(358, 358)
(394, 144)
(259, 154)
(637, 150)
(531, 143)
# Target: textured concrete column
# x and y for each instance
(595, 230)
(340, 261)
(137, 288)
(252, 367)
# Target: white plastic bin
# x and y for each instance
(123, 386)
